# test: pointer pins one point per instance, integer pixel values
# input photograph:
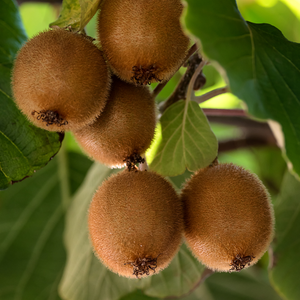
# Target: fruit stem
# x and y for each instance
(159, 88)
(143, 166)
(190, 89)
(190, 53)
(211, 94)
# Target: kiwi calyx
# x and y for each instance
(145, 75)
(143, 266)
(240, 262)
(50, 117)
(132, 160)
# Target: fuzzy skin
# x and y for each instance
(227, 212)
(126, 126)
(64, 72)
(142, 33)
(135, 215)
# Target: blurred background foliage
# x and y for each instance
(266, 162)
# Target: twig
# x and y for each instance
(160, 86)
(225, 112)
(192, 50)
(210, 95)
(190, 89)
(181, 89)
(245, 142)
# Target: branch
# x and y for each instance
(211, 94)
(255, 133)
(181, 89)
(213, 112)
(245, 142)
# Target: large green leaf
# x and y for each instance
(251, 284)
(86, 278)
(187, 140)
(285, 273)
(32, 255)
(262, 66)
(23, 147)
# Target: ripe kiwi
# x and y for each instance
(136, 223)
(142, 40)
(229, 219)
(125, 127)
(60, 80)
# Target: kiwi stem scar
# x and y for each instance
(50, 117)
(142, 266)
(239, 262)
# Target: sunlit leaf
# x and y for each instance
(187, 140)
(70, 15)
(76, 13)
(88, 10)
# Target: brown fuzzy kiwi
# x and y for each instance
(60, 80)
(125, 127)
(136, 223)
(229, 219)
(142, 40)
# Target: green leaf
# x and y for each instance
(70, 15)
(12, 35)
(76, 13)
(138, 295)
(23, 147)
(285, 273)
(88, 10)
(32, 254)
(247, 285)
(262, 66)
(85, 277)
(187, 140)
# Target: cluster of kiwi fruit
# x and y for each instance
(63, 81)
(137, 220)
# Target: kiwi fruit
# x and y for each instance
(142, 40)
(60, 80)
(124, 129)
(136, 223)
(229, 219)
